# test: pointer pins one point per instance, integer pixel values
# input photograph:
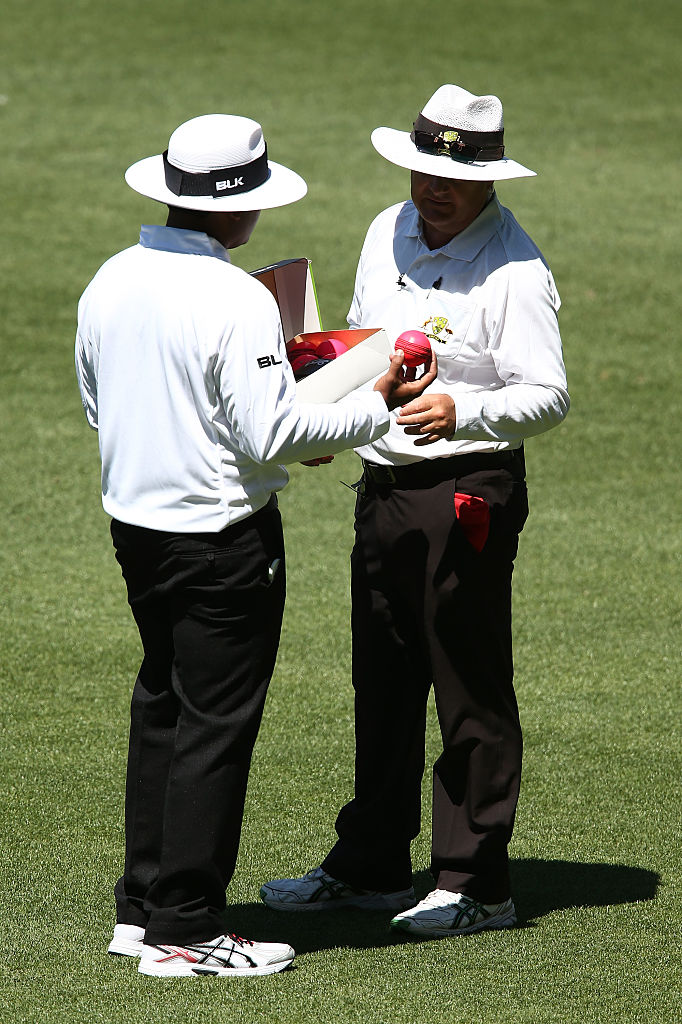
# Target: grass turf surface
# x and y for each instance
(590, 98)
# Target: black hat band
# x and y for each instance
(225, 181)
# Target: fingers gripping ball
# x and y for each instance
(417, 349)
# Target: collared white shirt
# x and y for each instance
(182, 370)
(488, 301)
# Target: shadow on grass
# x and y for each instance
(540, 887)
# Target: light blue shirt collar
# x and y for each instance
(468, 243)
(181, 240)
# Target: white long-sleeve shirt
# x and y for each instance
(182, 370)
(488, 301)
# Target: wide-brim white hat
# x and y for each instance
(457, 135)
(216, 162)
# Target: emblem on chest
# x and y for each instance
(439, 329)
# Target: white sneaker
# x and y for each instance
(226, 956)
(453, 913)
(319, 891)
(127, 941)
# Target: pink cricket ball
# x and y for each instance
(331, 348)
(416, 346)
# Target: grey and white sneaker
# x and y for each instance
(227, 956)
(127, 940)
(444, 913)
(319, 891)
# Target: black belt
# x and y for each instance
(428, 472)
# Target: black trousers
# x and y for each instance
(209, 609)
(428, 608)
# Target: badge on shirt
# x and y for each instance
(438, 325)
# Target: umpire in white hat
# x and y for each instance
(437, 529)
(183, 372)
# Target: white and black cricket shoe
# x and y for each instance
(444, 913)
(227, 956)
(317, 890)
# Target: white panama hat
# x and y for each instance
(216, 162)
(457, 135)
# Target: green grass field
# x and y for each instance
(591, 100)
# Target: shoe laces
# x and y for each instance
(441, 898)
(239, 939)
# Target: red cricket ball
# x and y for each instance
(300, 359)
(295, 347)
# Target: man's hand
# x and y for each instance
(432, 417)
(393, 387)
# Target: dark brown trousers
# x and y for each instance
(428, 608)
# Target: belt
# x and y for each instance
(428, 472)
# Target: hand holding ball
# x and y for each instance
(417, 349)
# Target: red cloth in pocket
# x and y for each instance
(473, 515)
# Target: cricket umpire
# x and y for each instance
(182, 370)
(437, 529)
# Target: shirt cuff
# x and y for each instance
(468, 411)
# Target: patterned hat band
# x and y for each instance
(221, 182)
(466, 146)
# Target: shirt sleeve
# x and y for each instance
(86, 374)
(258, 393)
(525, 345)
(354, 317)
